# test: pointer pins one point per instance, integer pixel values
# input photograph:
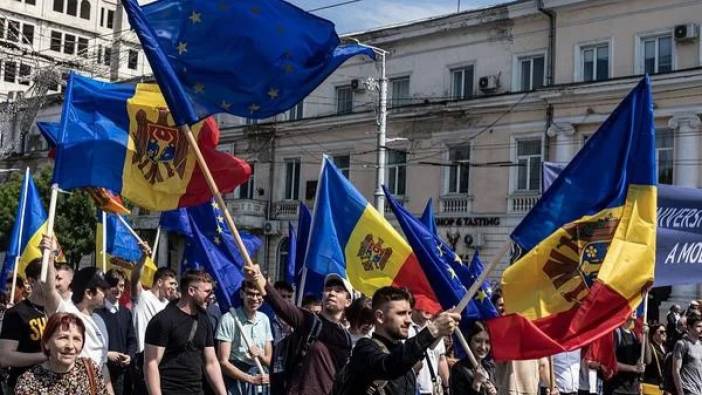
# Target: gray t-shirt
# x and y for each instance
(691, 371)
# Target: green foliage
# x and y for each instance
(75, 215)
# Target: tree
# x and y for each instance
(75, 215)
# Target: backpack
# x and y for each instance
(287, 359)
(344, 377)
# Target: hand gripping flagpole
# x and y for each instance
(45, 255)
(23, 212)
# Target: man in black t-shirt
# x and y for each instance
(22, 328)
(179, 339)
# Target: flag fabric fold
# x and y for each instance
(314, 282)
(30, 225)
(292, 253)
(267, 56)
(122, 137)
(586, 250)
(427, 217)
(349, 237)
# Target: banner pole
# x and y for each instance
(45, 255)
(104, 241)
(23, 212)
(247, 342)
(129, 228)
(301, 291)
(185, 129)
(153, 250)
(644, 340)
(481, 279)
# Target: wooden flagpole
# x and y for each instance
(45, 255)
(481, 279)
(104, 242)
(23, 212)
(153, 250)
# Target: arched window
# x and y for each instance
(85, 9)
(283, 253)
(72, 7)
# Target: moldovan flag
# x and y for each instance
(30, 225)
(122, 137)
(587, 248)
(349, 237)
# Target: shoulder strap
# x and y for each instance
(193, 329)
(91, 376)
(658, 363)
(378, 386)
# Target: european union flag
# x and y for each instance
(427, 217)
(314, 282)
(292, 253)
(441, 265)
(251, 58)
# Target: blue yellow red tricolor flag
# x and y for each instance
(30, 225)
(251, 58)
(588, 246)
(349, 237)
(122, 137)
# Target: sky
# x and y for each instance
(368, 14)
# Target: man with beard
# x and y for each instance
(320, 343)
(179, 341)
(385, 361)
(237, 360)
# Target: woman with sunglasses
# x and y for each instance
(652, 382)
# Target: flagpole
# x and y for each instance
(155, 244)
(49, 231)
(23, 212)
(104, 241)
(129, 228)
(185, 129)
(247, 342)
(645, 328)
(481, 279)
(301, 291)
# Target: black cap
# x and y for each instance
(88, 278)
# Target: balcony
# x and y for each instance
(285, 209)
(451, 204)
(521, 202)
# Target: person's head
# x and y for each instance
(478, 340)
(22, 288)
(63, 339)
(498, 301)
(421, 310)
(284, 289)
(657, 334)
(115, 278)
(251, 297)
(31, 276)
(337, 295)
(694, 306)
(392, 312)
(89, 288)
(165, 283)
(196, 287)
(675, 308)
(694, 325)
(312, 303)
(360, 316)
(64, 276)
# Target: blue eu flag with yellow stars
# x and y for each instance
(210, 246)
(251, 58)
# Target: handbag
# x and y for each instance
(91, 376)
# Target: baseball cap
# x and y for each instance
(88, 278)
(336, 279)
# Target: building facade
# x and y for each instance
(478, 100)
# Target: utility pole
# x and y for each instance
(382, 127)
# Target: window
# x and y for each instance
(28, 34)
(292, 179)
(110, 18)
(595, 62)
(102, 17)
(132, 59)
(529, 165)
(251, 121)
(58, 5)
(107, 56)
(343, 162)
(458, 173)
(55, 41)
(246, 190)
(10, 71)
(69, 44)
(296, 112)
(400, 91)
(657, 54)
(283, 254)
(24, 72)
(83, 47)
(2, 28)
(13, 31)
(72, 7)
(462, 82)
(396, 171)
(344, 100)
(664, 156)
(531, 72)
(85, 9)
(30, 2)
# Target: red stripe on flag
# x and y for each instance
(514, 337)
(412, 276)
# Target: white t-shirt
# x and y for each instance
(146, 306)
(566, 369)
(424, 383)
(96, 338)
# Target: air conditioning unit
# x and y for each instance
(489, 83)
(357, 85)
(271, 228)
(688, 32)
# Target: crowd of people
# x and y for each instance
(75, 334)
